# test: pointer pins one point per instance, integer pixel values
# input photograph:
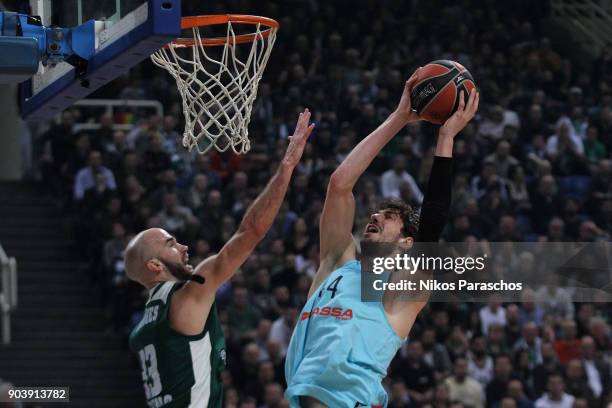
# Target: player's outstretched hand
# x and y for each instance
(463, 115)
(404, 108)
(298, 140)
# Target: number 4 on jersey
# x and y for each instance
(333, 287)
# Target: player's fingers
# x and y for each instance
(305, 134)
(413, 78)
(309, 130)
(300, 123)
(414, 74)
(461, 106)
(473, 106)
(473, 96)
(306, 116)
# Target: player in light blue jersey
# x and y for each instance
(341, 346)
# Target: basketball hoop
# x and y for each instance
(218, 94)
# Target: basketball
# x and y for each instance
(435, 96)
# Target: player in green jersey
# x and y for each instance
(179, 340)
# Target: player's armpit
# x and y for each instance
(189, 308)
(190, 305)
(327, 265)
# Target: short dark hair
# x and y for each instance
(409, 216)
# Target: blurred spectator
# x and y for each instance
(175, 218)
(568, 346)
(555, 397)
(493, 313)
(517, 393)
(97, 196)
(597, 370)
(435, 354)
(502, 374)
(399, 397)
(518, 192)
(86, 177)
(531, 342)
(497, 118)
(463, 388)
(282, 328)
(243, 319)
(555, 301)
(392, 180)
(155, 158)
(502, 159)
(530, 310)
(457, 343)
(417, 375)
(545, 203)
(496, 341)
(507, 402)
(576, 383)
(198, 192)
(274, 397)
(513, 324)
(564, 138)
(480, 365)
(550, 365)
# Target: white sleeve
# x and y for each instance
(386, 185)
(277, 334)
(79, 188)
(413, 186)
(551, 145)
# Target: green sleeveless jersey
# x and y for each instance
(178, 371)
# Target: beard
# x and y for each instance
(180, 271)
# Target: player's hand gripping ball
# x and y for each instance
(435, 94)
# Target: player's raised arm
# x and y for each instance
(437, 200)
(346, 175)
(337, 218)
(434, 210)
(194, 297)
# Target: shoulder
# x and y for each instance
(164, 291)
(83, 171)
(277, 326)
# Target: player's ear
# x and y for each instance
(154, 265)
(406, 243)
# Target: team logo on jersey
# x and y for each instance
(337, 312)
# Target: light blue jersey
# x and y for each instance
(341, 347)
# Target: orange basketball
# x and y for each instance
(435, 95)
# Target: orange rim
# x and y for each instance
(202, 21)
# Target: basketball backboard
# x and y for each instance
(127, 32)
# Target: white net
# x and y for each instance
(218, 88)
